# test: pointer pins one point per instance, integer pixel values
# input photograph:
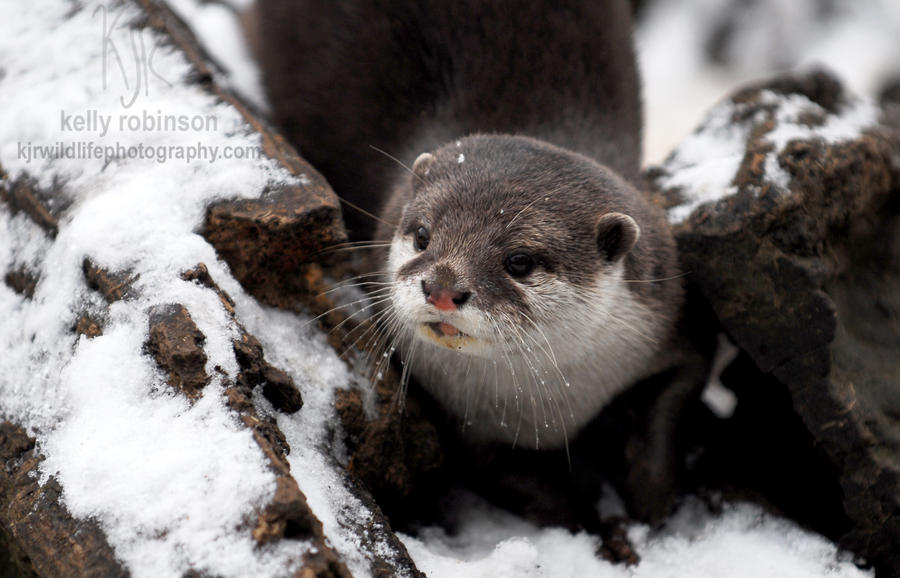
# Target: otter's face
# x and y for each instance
(506, 245)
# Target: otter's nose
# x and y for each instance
(444, 298)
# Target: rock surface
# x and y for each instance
(799, 257)
(35, 528)
(177, 345)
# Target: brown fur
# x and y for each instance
(542, 100)
(565, 194)
(407, 77)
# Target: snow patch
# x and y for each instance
(855, 117)
(703, 166)
(175, 486)
(741, 542)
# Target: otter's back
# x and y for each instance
(346, 76)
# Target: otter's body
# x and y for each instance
(527, 282)
(408, 77)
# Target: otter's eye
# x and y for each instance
(519, 264)
(422, 238)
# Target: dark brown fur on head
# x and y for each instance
(486, 197)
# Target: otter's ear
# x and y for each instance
(419, 169)
(616, 235)
(422, 163)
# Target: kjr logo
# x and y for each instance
(142, 61)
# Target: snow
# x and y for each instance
(705, 163)
(177, 486)
(855, 39)
(718, 398)
(855, 117)
(741, 542)
(703, 167)
(317, 371)
(217, 26)
(167, 481)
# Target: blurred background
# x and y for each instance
(694, 52)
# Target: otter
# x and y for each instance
(526, 280)
(510, 270)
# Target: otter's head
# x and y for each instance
(506, 245)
